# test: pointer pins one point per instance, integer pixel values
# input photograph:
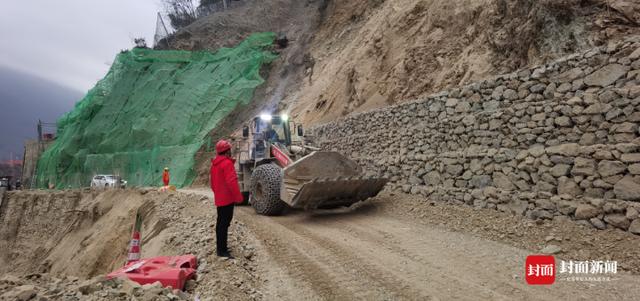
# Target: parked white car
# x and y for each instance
(106, 181)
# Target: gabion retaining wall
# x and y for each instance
(556, 140)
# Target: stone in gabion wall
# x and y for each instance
(563, 132)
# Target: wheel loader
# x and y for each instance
(277, 169)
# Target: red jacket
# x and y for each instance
(224, 181)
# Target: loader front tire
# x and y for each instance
(265, 190)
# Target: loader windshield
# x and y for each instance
(275, 130)
(278, 133)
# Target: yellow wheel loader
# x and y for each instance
(277, 169)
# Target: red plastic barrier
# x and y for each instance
(173, 271)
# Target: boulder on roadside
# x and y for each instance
(635, 227)
(598, 223)
(617, 220)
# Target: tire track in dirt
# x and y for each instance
(423, 257)
(365, 273)
(413, 271)
(323, 267)
(302, 269)
(367, 253)
(450, 264)
(429, 263)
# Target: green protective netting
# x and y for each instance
(154, 109)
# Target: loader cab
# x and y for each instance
(271, 128)
(274, 129)
(265, 130)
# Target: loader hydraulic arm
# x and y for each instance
(282, 158)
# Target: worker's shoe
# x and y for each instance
(225, 254)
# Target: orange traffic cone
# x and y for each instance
(134, 245)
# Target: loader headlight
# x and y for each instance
(265, 117)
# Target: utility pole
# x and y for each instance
(11, 165)
(165, 29)
(224, 4)
(39, 130)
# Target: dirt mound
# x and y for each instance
(46, 287)
(80, 233)
(60, 244)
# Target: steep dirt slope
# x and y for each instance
(351, 56)
(370, 53)
(40, 229)
(297, 20)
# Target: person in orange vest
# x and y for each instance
(165, 176)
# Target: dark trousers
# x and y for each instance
(225, 215)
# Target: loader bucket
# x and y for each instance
(325, 180)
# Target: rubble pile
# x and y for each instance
(59, 245)
(555, 141)
(46, 287)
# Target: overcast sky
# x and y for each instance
(71, 42)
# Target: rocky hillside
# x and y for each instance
(561, 139)
(371, 54)
(350, 56)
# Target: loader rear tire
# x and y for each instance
(265, 190)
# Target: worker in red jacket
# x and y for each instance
(165, 176)
(226, 193)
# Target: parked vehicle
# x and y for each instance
(5, 182)
(106, 181)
